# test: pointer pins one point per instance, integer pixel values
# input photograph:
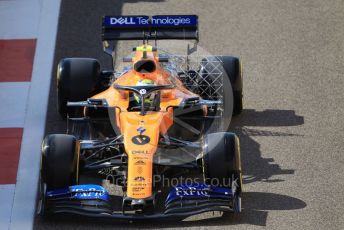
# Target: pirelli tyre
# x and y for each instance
(233, 68)
(60, 161)
(221, 164)
(77, 80)
(229, 88)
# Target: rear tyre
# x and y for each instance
(77, 80)
(60, 161)
(232, 97)
(232, 67)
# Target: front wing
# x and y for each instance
(182, 201)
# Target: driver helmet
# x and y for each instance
(149, 100)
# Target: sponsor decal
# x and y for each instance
(87, 192)
(139, 178)
(139, 184)
(191, 192)
(137, 189)
(141, 130)
(121, 21)
(140, 162)
(166, 20)
(139, 152)
(140, 139)
(141, 157)
(143, 91)
(139, 194)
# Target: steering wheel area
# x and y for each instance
(143, 92)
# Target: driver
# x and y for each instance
(150, 99)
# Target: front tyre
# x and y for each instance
(221, 164)
(236, 185)
(60, 161)
(221, 157)
(41, 203)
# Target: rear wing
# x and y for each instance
(156, 27)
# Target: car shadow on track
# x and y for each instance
(253, 123)
(248, 124)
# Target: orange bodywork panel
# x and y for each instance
(140, 150)
(141, 147)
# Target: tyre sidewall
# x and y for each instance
(60, 156)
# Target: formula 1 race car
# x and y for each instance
(156, 129)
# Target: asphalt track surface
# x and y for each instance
(291, 130)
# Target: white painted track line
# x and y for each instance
(22, 19)
(6, 198)
(23, 210)
(13, 95)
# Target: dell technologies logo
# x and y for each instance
(155, 20)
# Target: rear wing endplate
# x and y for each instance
(158, 27)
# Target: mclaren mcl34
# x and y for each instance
(156, 129)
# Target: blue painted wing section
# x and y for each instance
(154, 21)
(198, 191)
(80, 192)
